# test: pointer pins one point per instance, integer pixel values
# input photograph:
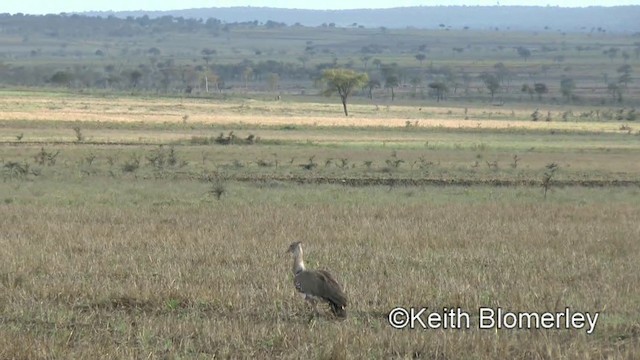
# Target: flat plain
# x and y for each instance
(145, 227)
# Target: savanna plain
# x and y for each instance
(151, 181)
(167, 239)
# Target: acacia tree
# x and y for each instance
(492, 83)
(343, 81)
(526, 88)
(372, 84)
(273, 79)
(392, 81)
(207, 54)
(523, 52)
(440, 89)
(625, 74)
(540, 89)
(567, 85)
(61, 78)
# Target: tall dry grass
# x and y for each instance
(155, 277)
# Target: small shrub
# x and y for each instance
(226, 140)
(90, 158)
(17, 170)
(548, 176)
(218, 189)
(172, 158)
(111, 160)
(535, 116)
(310, 165)
(514, 164)
(156, 158)
(237, 164)
(43, 157)
(263, 163)
(79, 135)
(132, 164)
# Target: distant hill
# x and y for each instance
(613, 19)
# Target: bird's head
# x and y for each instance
(295, 248)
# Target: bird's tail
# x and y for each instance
(338, 310)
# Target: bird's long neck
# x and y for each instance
(298, 262)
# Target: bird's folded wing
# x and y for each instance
(322, 284)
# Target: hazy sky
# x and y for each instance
(58, 6)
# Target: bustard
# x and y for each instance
(317, 285)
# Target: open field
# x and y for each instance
(147, 111)
(145, 234)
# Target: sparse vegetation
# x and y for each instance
(153, 229)
(78, 132)
(548, 176)
(131, 165)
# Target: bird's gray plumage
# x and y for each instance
(317, 285)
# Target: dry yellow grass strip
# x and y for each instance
(269, 113)
(307, 121)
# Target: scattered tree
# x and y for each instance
(440, 89)
(625, 75)
(273, 80)
(528, 90)
(134, 78)
(365, 60)
(540, 89)
(303, 59)
(523, 52)
(415, 83)
(207, 54)
(247, 75)
(548, 176)
(61, 78)
(343, 81)
(567, 85)
(392, 81)
(372, 84)
(492, 83)
(612, 52)
(616, 91)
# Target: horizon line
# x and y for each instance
(333, 9)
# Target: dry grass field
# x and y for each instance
(142, 236)
(41, 106)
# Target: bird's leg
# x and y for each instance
(315, 308)
(314, 305)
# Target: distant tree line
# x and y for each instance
(78, 26)
(125, 64)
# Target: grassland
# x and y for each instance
(143, 233)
